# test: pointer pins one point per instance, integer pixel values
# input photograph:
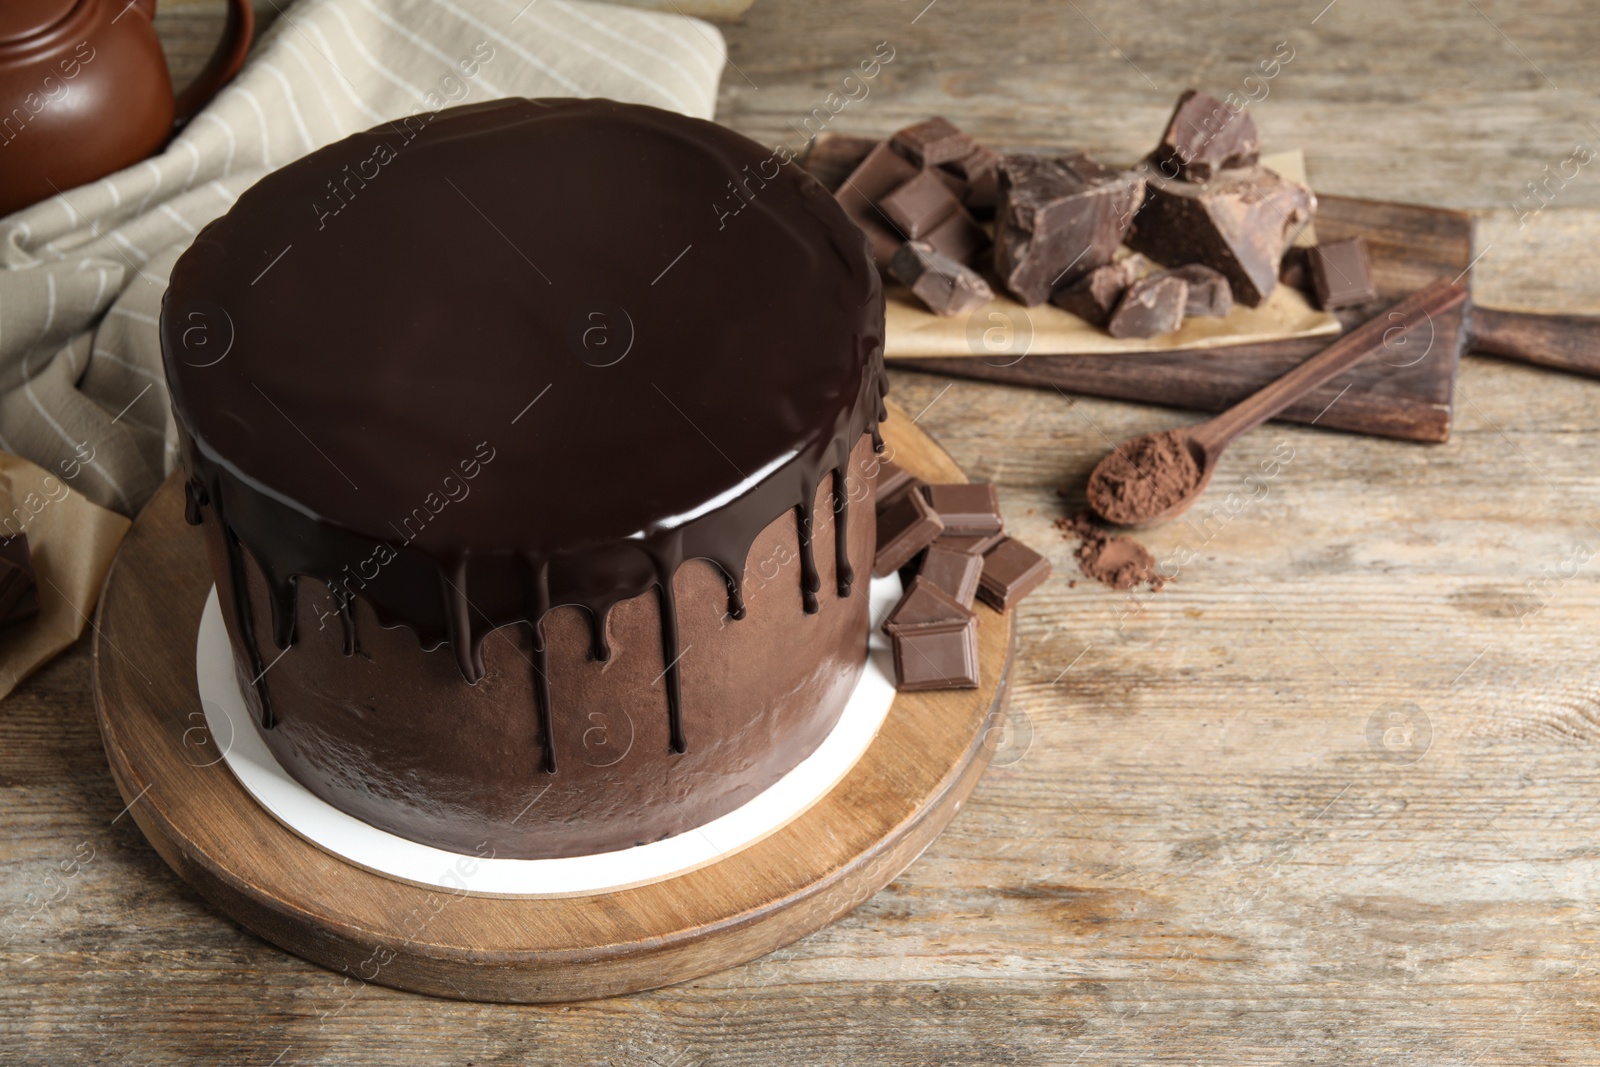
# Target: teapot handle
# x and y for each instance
(223, 64)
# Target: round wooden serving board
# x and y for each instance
(908, 785)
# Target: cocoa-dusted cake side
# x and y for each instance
(533, 443)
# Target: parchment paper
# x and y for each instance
(72, 542)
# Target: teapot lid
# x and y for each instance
(24, 18)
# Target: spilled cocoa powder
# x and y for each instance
(1143, 478)
(1117, 561)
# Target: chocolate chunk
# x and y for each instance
(918, 206)
(945, 286)
(976, 546)
(1151, 307)
(1292, 269)
(953, 571)
(1059, 219)
(968, 509)
(1093, 297)
(906, 525)
(935, 640)
(875, 177)
(1239, 223)
(1204, 136)
(932, 141)
(1341, 273)
(1210, 295)
(959, 237)
(19, 596)
(979, 171)
(890, 479)
(1011, 570)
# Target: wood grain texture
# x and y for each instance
(925, 760)
(1190, 852)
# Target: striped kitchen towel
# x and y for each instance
(81, 275)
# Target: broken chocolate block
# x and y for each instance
(953, 571)
(1151, 307)
(935, 640)
(1203, 137)
(1239, 223)
(1292, 270)
(1059, 219)
(19, 596)
(932, 142)
(959, 237)
(968, 509)
(1093, 297)
(918, 206)
(1341, 273)
(906, 526)
(979, 171)
(1210, 295)
(1011, 570)
(874, 178)
(945, 286)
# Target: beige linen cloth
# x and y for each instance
(82, 394)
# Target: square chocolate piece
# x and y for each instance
(875, 177)
(1011, 571)
(888, 480)
(932, 141)
(952, 571)
(935, 640)
(1059, 218)
(1151, 307)
(1240, 224)
(1203, 137)
(975, 546)
(959, 237)
(945, 286)
(1341, 273)
(919, 205)
(969, 509)
(906, 526)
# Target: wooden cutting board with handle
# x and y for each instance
(1406, 395)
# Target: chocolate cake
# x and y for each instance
(533, 446)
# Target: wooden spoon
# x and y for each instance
(1396, 329)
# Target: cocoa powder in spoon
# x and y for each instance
(1143, 477)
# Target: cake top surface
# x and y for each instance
(538, 326)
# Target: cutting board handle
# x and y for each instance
(1565, 342)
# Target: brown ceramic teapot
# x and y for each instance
(84, 90)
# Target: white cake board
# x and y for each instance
(229, 720)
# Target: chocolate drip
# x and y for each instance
(244, 619)
(347, 617)
(630, 467)
(283, 601)
(810, 580)
(845, 574)
(538, 605)
(668, 602)
(600, 643)
(458, 621)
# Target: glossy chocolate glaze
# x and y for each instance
(386, 371)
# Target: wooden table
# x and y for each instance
(1199, 847)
